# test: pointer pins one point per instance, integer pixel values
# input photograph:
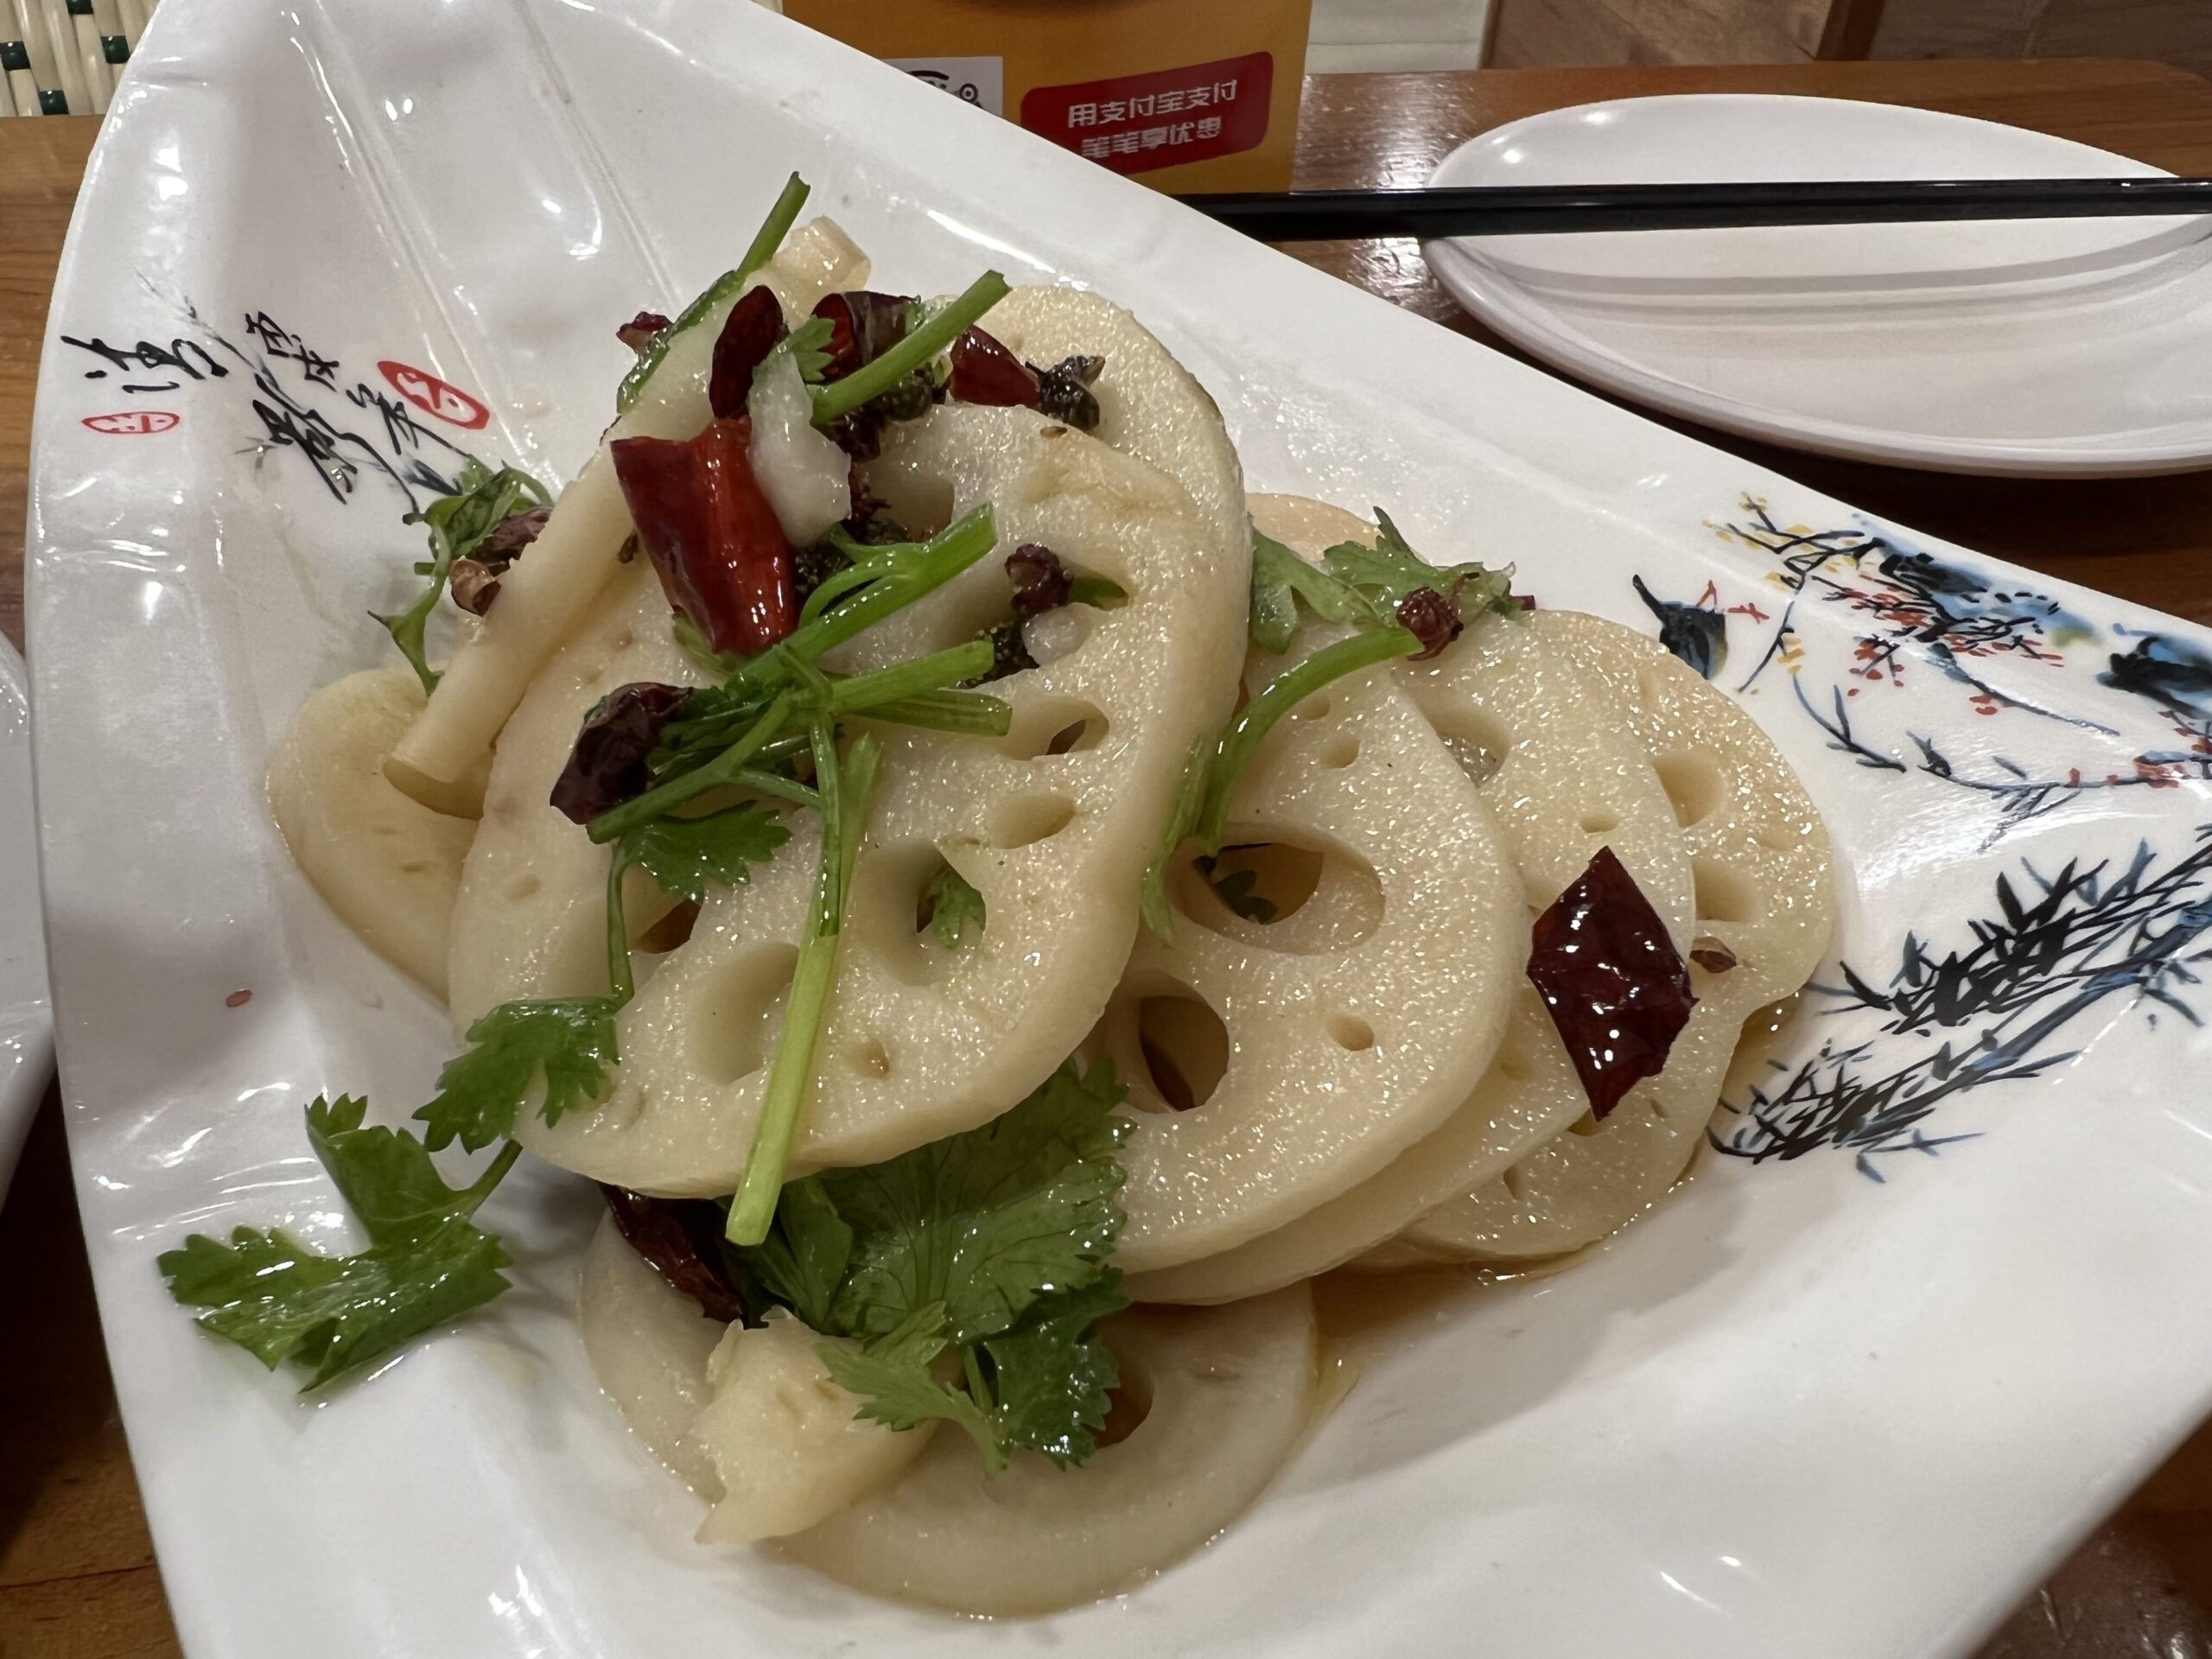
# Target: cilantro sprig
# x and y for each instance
(974, 1272)
(1359, 584)
(955, 908)
(932, 334)
(426, 1262)
(458, 525)
(1362, 586)
(774, 730)
(781, 217)
(568, 1040)
(846, 782)
(807, 346)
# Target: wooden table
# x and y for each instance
(77, 1575)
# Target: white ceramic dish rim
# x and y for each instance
(26, 1023)
(179, 1416)
(1474, 283)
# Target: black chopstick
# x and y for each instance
(1525, 209)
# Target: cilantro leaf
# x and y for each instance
(480, 503)
(1051, 1375)
(896, 1380)
(570, 1039)
(990, 1246)
(385, 1176)
(1044, 1385)
(281, 1302)
(987, 1222)
(685, 856)
(1236, 888)
(1387, 572)
(804, 1258)
(955, 907)
(808, 346)
(1280, 579)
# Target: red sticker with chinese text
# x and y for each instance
(1134, 124)
(433, 396)
(133, 422)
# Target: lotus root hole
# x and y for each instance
(1127, 1406)
(1692, 782)
(1186, 1048)
(1588, 1124)
(1264, 881)
(1312, 708)
(869, 1059)
(1599, 824)
(1723, 894)
(1351, 1033)
(891, 912)
(670, 930)
(1024, 820)
(1253, 890)
(923, 503)
(1478, 741)
(734, 1019)
(1052, 725)
(525, 886)
(1340, 751)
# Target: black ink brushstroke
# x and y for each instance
(1996, 1006)
(1697, 635)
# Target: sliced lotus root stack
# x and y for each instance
(1543, 742)
(1053, 825)
(1765, 899)
(1226, 1395)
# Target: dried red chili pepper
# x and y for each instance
(750, 331)
(711, 534)
(682, 1239)
(984, 371)
(607, 767)
(863, 325)
(1609, 975)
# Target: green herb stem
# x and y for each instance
(1285, 692)
(934, 336)
(845, 787)
(724, 768)
(775, 784)
(724, 288)
(945, 555)
(494, 1172)
(940, 671)
(978, 1390)
(974, 714)
(867, 565)
(458, 524)
(617, 926)
(936, 561)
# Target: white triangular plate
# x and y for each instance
(1941, 1299)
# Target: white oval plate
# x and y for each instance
(26, 1021)
(2066, 346)
(1790, 1384)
